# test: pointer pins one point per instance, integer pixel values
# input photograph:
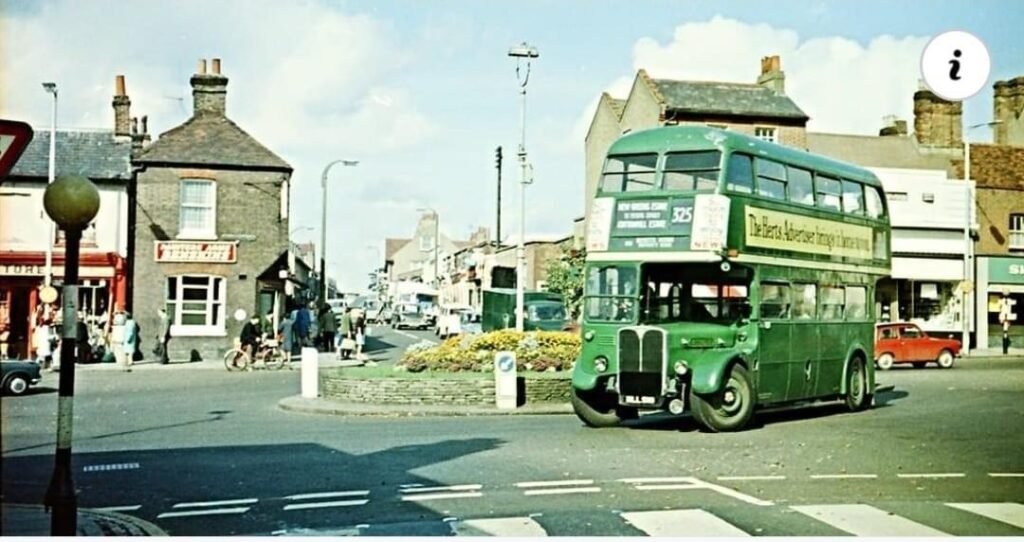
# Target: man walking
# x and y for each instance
(301, 325)
(164, 336)
(131, 340)
(328, 327)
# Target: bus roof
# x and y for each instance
(690, 138)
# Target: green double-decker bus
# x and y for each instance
(725, 273)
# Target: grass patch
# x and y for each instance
(389, 372)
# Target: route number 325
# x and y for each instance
(682, 215)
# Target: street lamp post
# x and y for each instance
(51, 88)
(72, 202)
(323, 226)
(519, 52)
(968, 268)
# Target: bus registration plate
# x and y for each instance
(639, 399)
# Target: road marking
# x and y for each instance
(110, 467)
(737, 478)
(933, 475)
(304, 496)
(215, 503)
(687, 523)
(214, 512)
(327, 504)
(1006, 474)
(864, 520)
(463, 487)
(131, 508)
(435, 496)
(1006, 512)
(498, 527)
(554, 483)
(693, 483)
(561, 491)
(843, 476)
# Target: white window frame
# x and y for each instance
(1016, 231)
(215, 304)
(209, 232)
(767, 133)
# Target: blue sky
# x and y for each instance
(422, 92)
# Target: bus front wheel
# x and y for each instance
(728, 409)
(598, 409)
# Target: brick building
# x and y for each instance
(211, 236)
(761, 109)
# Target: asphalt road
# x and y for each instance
(203, 452)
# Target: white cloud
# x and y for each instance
(842, 85)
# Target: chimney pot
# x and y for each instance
(145, 124)
(216, 66)
(135, 125)
(119, 86)
(201, 67)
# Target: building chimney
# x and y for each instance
(772, 75)
(937, 122)
(1008, 109)
(145, 130)
(209, 91)
(892, 126)
(122, 105)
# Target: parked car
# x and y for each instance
(903, 342)
(17, 375)
(409, 315)
(449, 323)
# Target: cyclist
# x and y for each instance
(250, 337)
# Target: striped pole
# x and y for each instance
(61, 494)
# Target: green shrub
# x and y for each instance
(535, 351)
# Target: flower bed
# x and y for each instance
(535, 351)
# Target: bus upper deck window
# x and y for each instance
(634, 173)
(874, 205)
(692, 170)
(739, 174)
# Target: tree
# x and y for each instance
(565, 276)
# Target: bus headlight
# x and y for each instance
(589, 336)
(601, 364)
(681, 368)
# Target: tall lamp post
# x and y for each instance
(968, 268)
(437, 242)
(323, 225)
(72, 202)
(51, 88)
(520, 52)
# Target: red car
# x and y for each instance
(903, 342)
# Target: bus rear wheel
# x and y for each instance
(597, 409)
(857, 397)
(728, 409)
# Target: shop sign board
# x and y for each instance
(195, 252)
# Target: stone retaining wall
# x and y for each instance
(440, 391)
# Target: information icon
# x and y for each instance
(955, 65)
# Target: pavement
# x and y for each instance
(326, 406)
(324, 360)
(34, 520)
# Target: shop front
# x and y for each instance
(1000, 284)
(102, 285)
(924, 291)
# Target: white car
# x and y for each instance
(450, 320)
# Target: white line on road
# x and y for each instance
(665, 487)
(435, 496)
(561, 491)
(131, 508)
(843, 476)
(109, 467)
(933, 475)
(327, 504)
(738, 478)
(304, 496)
(498, 527)
(657, 479)
(689, 523)
(215, 503)
(554, 483)
(695, 483)
(1006, 512)
(463, 487)
(214, 512)
(1006, 474)
(864, 520)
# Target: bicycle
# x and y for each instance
(267, 353)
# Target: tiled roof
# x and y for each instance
(391, 246)
(616, 104)
(733, 99)
(211, 140)
(880, 151)
(95, 154)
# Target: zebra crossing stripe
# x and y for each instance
(1006, 512)
(685, 523)
(519, 526)
(864, 520)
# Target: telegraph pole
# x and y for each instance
(497, 161)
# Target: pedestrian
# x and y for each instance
(164, 337)
(131, 340)
(284, 334)
(250, 338)
(328, 327)
(5, 334)
(314, 326)
(360, 330)
(301, 326)
(117, 341)
(347, 341)
(42, 344)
